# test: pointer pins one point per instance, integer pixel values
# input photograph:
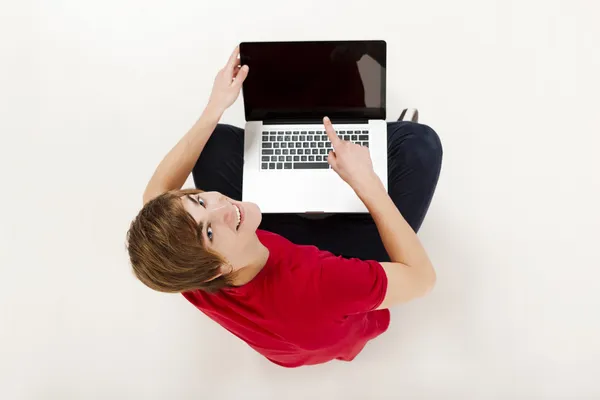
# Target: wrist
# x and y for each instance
(368, 185)
(212, 112)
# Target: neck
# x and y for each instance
(246, 274)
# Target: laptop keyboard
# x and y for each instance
(302, 149)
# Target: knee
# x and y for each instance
(417, 144)
(224, 135)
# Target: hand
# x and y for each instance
(228, 83)
(352, 162)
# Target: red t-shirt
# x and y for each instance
(306, 306)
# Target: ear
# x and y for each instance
(226, 269)
(213, 278)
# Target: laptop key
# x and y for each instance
(315, 151)
(271, 165)
(279, 165)
(276, 145)
(317, 138)
(363, 137)
(288, 132)
(281, 158)
(267, 145)
(295, 132)
(280, 138)
(310, 138)
(305, 144)
(314, 165)
(303, 133)
(300, 151)
(273, 158)
(265, 138)
(287, 165)
(318, 158)
(341, 132)
(349, 132)
(280, 133)
(284, 152)
(311, 158)
(298, 145)
(321, 144)
(296, 158)
(284, 145)
(354, 138)
(264, 166)
(303, 158)
(277, 152)
(346, 137)
(303, 138)
(287, 138)
(313, 144)
(365, 131)
(272, 138)
(323, 151)
(288, 158)
(266, 158)
(295, 138)
(292, 151)
(267, 152)
(366, 144)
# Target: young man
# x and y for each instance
(298, 291)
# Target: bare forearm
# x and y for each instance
(400, 241)
(177, 165)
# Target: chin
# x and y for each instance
(253, 215)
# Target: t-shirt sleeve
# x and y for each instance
(350, 286)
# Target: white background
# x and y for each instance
(94, 93)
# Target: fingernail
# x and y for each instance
(326, 119)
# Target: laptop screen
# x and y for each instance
(307, 80)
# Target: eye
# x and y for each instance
(201, 202)
(209, 233)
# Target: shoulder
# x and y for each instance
(291, 269)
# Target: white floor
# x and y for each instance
(93, 94)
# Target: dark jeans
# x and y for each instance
(414, 162)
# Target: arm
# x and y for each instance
(410, 274)
(177, 165)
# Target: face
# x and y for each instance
(229, 226)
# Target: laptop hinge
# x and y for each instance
(315, 121)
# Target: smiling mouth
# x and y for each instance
(238, 213)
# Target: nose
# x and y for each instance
(222, 212)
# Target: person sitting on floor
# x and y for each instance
(299, 291)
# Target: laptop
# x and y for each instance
(291, 86)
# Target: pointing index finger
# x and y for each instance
(333, 137)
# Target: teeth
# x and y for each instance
(239, 216)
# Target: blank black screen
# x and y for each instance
(307, 80)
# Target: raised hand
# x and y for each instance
(228, 83)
